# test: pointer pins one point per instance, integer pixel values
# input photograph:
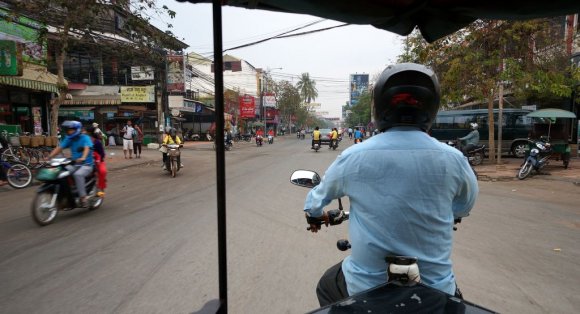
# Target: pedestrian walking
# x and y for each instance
(128, 132)
(350, 133)
(137, 141)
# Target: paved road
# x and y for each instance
(152, 247)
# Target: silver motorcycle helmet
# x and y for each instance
(406, 94)
(474, 126)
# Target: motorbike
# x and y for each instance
(270, 139)
(537, 158)
(190, 136)
(316, 146)
(259, 140)
(172, 153)
(59, 193)
(333, 144)
(474, 156)
(404, 287)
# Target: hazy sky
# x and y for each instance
(329, 56)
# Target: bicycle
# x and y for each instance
(18, 174)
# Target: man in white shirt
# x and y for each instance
(128, 132)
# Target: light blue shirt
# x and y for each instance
(77, 146)
(405, 189)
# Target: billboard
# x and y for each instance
(358, 84)
(269, 100)
(142, 73)
(175, 73)
(24, 30)
(247, 107)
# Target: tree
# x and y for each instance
(360, 114)
(471, 63)
(288, 100)
(80, 22)
(307, 88)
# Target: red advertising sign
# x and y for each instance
(247, 107)
(271, 113)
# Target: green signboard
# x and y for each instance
(10, 58)
(23, 30)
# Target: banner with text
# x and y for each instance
(138, 93)
(247, 107)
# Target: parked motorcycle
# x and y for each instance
(172, 164)
(475, 155)
(403, 293)
(259, 140)
(59, 193)
(270, 139)
(537, 157)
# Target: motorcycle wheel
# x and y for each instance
(40, 213)
(19, 176)
(95, 201)
(173, 167)
(477, 159)
(525, 170)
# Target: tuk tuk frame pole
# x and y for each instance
(220, 156)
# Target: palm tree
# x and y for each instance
(307, 88)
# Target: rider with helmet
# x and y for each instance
(170, 137)
(471, 140)
(81, 147)
(405, 190)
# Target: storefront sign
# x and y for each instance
(138, 93)
(175, 101)
(10, 58)
(247, 107)
(142, 73)
(78, 113)
(105, 110)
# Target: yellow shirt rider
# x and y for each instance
(315, 137)
(333, 137)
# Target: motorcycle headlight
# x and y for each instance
(540, 146)
(534, 152)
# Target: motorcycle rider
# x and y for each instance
(405, 190)
(471, 140)
(259, 135)
(169, 138)
(315, 137)
(333, 137)
(81, 147)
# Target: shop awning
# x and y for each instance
(134, 108)
(33, 77)
(91, 101)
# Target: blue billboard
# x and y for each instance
(358, 84)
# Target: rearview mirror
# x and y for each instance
(305, 178)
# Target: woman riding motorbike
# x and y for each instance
(170, 137)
